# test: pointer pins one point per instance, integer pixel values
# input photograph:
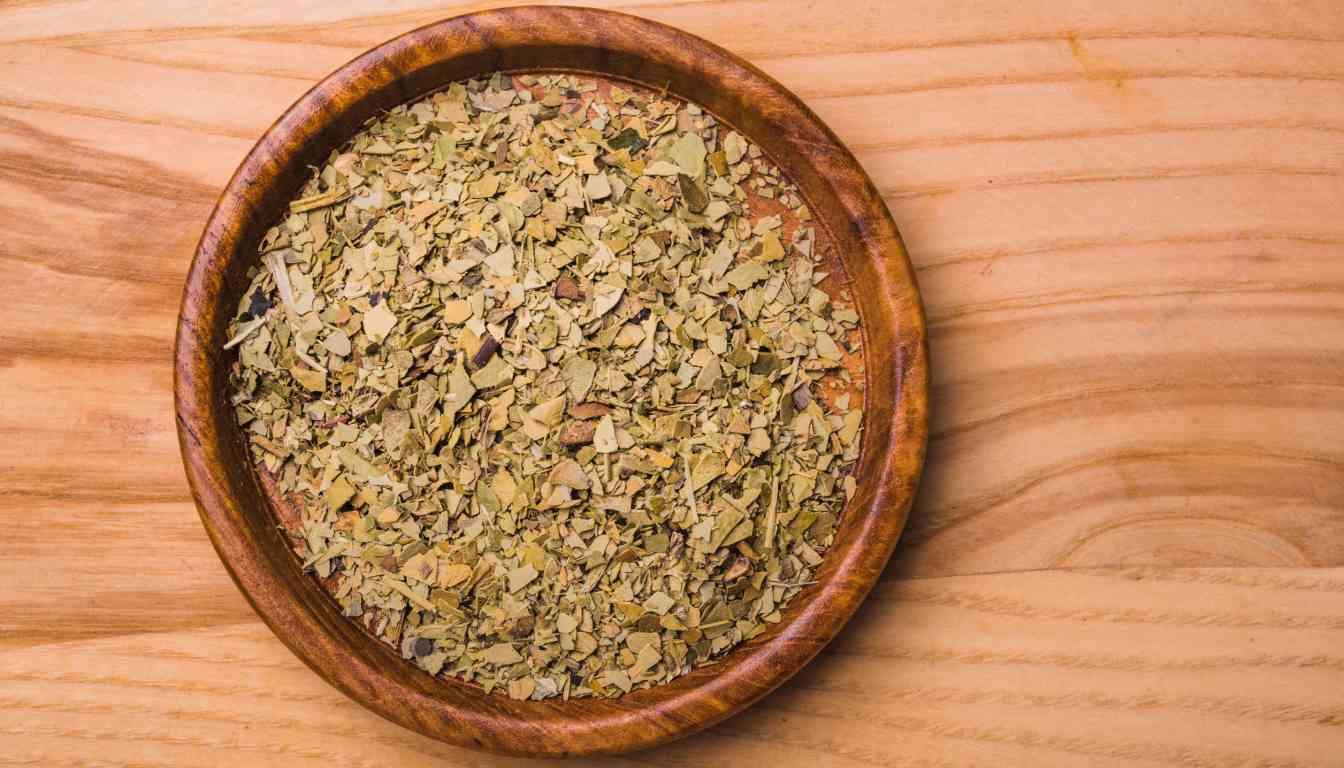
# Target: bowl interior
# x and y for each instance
(240, 511)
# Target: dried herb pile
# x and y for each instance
(544, 367)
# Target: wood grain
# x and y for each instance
(1125, 221)
(1133, 667)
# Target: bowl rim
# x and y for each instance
(612, 45)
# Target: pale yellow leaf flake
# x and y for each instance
(638, 641)
(771, 248)
(522, 688)
(630, 335)
(716, 210)
(566, 623)
(568, 473)
(379, 322)
(758, 442)
(579, 372)
(647, 659)
(423, 211)
(422, 568)
(708, 466)
(337, 343)
(644, 355)
(734, 147)
(688, 152)
(662, 168)
(549, 412)
(309, 379)
(646, 250)
(826, 347)
(456, 311)
(604, 439)
(659, 603)
(501, 654)
(853, 420)
(486, 186)
(521, 577)
(493, 374)
(618, 678)
(460, 391)
(453, 574)
(605, 298)
(339, 493)
(502, 261)
(747, 274)
(598, 187)
(504, 486)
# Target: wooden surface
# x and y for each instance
(1126, 220)
(850, 218)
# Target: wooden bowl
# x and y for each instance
(241, 518)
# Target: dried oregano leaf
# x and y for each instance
(555, 374)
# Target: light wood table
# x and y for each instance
(1128, 222)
